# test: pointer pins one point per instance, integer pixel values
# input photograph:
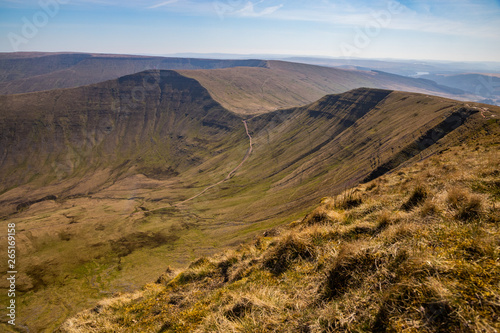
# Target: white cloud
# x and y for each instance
(249, 10)
(165, 3)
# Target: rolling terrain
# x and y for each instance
(284, 84)
(121, 173)
(242, 86)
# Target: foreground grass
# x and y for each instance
(414, 251)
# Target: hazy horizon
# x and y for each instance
(463, 31)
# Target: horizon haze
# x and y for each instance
(422, 30)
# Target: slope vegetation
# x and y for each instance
(153, 121)
(413, 251)
(105, 172)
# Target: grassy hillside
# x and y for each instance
(412, 251)
(119, 197)
(159, 122)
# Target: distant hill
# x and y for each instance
(242, 86)
(21, 73)
(284, 84)
(486, 87)
(401, 66)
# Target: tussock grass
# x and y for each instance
(429, 208)
(403, 258)
(280, 256)
(384, 219)
(318, 216)
(348, 268)
(467, 206)
(348, 199)
(417, 197)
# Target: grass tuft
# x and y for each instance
(347, 270)
(289, 248)
(318, 216)
(429, 209)
(347, 200)
(471, 209)
(468, 207)
(384, 219)
(416, 198)
(457, 197)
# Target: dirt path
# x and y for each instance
(250, 149)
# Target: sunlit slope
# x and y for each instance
(412, 251)
(304, 153)
(254, 90)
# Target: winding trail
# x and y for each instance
(250, 149)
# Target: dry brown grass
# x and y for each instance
(416, 198)
(429, 209)
(280, 256)
(319, 216)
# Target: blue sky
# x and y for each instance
(460, 30)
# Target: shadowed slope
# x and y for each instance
(157, 120)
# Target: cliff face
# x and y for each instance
(159, 118)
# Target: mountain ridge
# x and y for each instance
(68, 70)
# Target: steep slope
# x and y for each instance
(302, 153)
(131, 152)
(154, 122)
(414, 251)
(39, 72)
